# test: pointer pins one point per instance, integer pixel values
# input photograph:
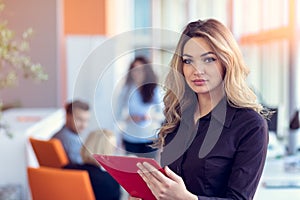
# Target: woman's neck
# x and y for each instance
(207, 102)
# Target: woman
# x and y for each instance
(214, 136)
(139, 109)
(99, 142)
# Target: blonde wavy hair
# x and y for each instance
(179, 96)
(98, 142)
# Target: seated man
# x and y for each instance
(77, 117)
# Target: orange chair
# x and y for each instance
(49, 153)
(60, 184)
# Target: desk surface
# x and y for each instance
(30, 121)
(24, 123)
(276, 176)
(274, 172)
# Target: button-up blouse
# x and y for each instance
(221, 156)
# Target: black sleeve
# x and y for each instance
(248, 163)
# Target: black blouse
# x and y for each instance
(222, 156)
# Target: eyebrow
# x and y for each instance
(202, 55)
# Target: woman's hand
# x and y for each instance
(164, 187)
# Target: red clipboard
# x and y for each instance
(124, 170)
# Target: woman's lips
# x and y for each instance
(199, 82)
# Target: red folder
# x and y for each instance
(124, 170)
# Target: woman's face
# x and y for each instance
(202, 70)
(137, 72)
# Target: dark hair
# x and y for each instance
(150, 79)
(76, 104)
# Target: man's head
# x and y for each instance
(77, 116)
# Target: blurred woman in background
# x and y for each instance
(139, 109)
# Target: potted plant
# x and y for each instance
(14, 62)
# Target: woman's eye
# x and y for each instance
(209, 59)
(187, 61)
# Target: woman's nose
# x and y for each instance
(198, 69)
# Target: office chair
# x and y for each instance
(49, 153)
(60, 184)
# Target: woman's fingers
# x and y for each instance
(152, 176)
(163, 186)
(172, 175)
(147, 176)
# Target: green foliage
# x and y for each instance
(14, 62)
(13, 59)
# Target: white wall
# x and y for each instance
(90, 76)
(45, 17)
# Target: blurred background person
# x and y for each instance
(77, 118)
(139, 109)
(99, 142)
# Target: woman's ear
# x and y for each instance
(224, 72)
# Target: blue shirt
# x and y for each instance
(131, 104)
(72, 144)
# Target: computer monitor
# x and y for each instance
(273, 121)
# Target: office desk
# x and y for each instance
(16, 153)
(274, 171)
